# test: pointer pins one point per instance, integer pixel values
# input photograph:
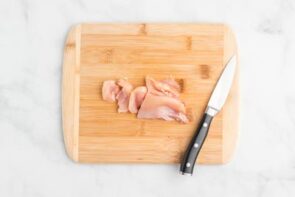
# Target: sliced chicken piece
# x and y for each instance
(162, 107)
(110, 90)
(136, 98)
(172, 83)
(123, 95)
(162, 88)
(162, 102)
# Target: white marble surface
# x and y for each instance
(32, 157)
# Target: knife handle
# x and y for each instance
(192, 152)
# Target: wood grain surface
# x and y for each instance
(194, 54)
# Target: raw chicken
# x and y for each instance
(172, 83)
(110, 90)
(156, 100)
(162, 102)
(163, 88)
(136, 98)
(123, 95)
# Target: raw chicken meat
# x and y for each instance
(162, 102)
(123, 95)
(172, 83)
(156, 100)
(136, 98)
(163, 88)
(110, 90)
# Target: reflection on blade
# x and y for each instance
(223, 85)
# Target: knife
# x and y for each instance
(217, 100)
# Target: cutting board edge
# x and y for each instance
(230, 129)
(71, 92)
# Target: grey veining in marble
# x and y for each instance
(32, 157)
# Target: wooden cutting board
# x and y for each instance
(194, 54)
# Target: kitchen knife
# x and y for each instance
(217, 100)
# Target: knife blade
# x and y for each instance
(216, 102)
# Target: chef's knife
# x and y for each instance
(217, 100)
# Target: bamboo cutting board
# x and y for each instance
(194, 54)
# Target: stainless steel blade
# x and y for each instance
(222, 87)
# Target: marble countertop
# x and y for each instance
(32, 156)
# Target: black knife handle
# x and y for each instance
(192, 152)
